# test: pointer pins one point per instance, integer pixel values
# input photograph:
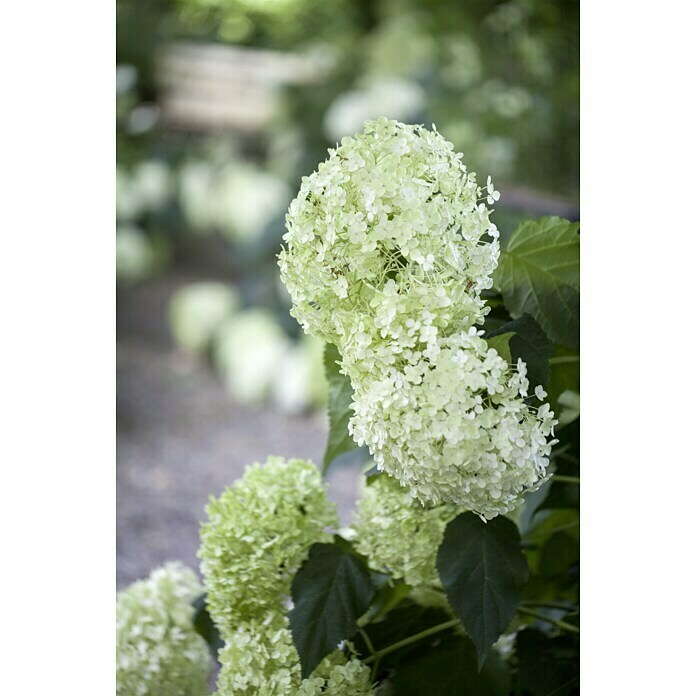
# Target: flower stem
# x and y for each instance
(411, 639)
(556, 622)
(566, 479)
(561, 359)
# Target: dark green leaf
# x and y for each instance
(483, 572)
(451, 668)
(547, 666)
(330, 592)
(340, 399)
(204, 625)
(539, 274)
(526, 340)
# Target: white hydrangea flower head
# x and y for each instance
(157, 649)
(260, 659)
(399, 536)
(453, 425)
(388, 240)
(257, 535)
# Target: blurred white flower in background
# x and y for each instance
(463, 66)
(392, 97)
(247, 351)
(135, 255)
(238, 199)
(299, 382)
(126, 78)
(196, 181)
(197, 311)
(154, 183)
(147, 188)
(385, 48)
(250, 349)
(248, 199)
(143, 118)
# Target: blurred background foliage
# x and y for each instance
(223, 105)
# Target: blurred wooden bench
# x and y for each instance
(211, 87)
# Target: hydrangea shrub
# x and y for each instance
(459, 573)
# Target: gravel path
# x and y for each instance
(180, 438)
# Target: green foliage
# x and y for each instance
(483, 572)
(452, 669)
(527, 341)
(330, 592)
(539, 274)
(340, 399)
(406, 620)
(565, 375)
(552, 550)
(547, 666)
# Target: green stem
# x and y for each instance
(566, 479)
(411, 639)
(371, 648)
(367, 640)
(561, 359)
(556, 622)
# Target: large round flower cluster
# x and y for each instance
(391, 229)
(454, 426)
(261, 660)
(399, 536)
(157, 649)
(257, 535)
(389, 247)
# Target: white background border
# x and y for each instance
(57, 347)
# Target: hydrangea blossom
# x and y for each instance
(453, 425)
(388, 241)
(260, 659)
(398, 535)
(257, 535)
(157, 649)
(389, 247)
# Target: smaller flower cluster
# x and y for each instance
(398, 535)
(157, 649)
(453, 425)
(258, 534)
(260, 660)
